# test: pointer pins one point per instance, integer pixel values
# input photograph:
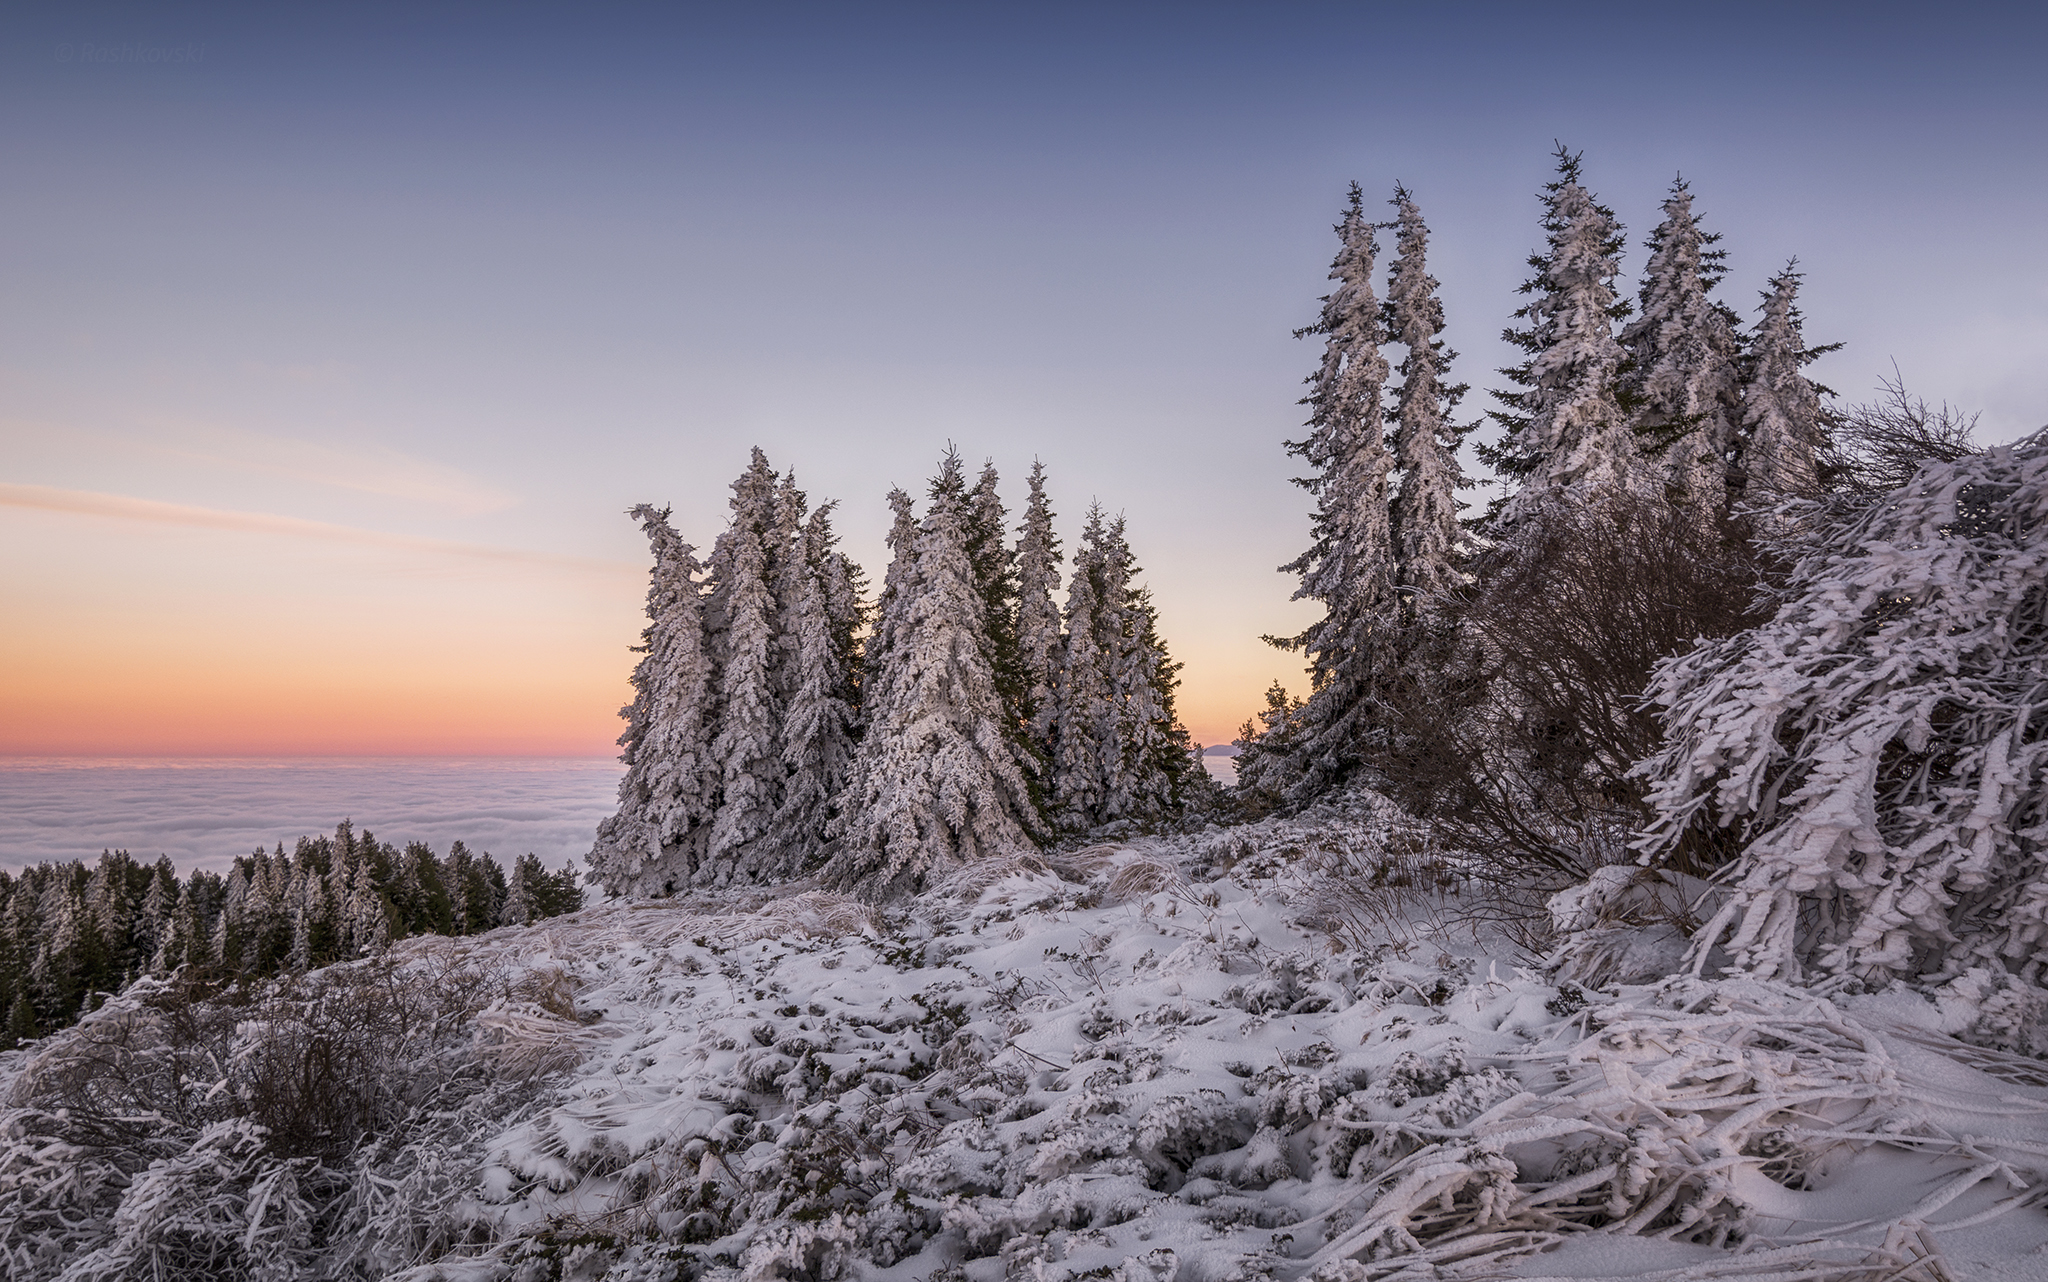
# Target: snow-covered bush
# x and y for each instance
(1880, 745)
(315, 1126)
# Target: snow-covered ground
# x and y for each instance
(1171, 1060)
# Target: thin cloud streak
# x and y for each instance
(366, 469)
(50, 498)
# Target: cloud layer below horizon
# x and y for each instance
(204, 813)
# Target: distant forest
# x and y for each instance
(70, 935)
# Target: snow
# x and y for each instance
(1145, 1062)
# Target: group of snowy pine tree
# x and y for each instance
(1674, 406)
(71, 935)
(1715, 626)
(782, 727)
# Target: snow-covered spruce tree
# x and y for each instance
(845, 587)
(884, 651)
(786, 572)
(1350, 566)
(1152, 758)
(938, 778)
(660, 835)
(748, 744)
(1566, 436)
(1882, 742)
(1084, 732)
(817, 723)
(1783, 431)
(1424, 513)
(1038, 616)
(1682, 378)
(995, 580)
(1262, 746)
(1121, 752)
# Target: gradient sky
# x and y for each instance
(335, 342)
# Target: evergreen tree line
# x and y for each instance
(69, 933)
(783, 726)
(1488, 671)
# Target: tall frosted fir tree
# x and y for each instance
(1782, 427)
(1084, 729)
(938, 779)
(817, 723)
(1350, 566)
(995, 580)
(1566, 435)
(884, 651)
(748, 745)
(1151, 753)
(785, 582)
(1121, 754)
(1682, 350)
(1424, 512)
(1038, 617)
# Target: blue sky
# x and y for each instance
(484, 277)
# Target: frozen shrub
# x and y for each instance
(1880, 746)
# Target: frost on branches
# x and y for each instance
(938, 779)
(1350, 566)
(1683, 349)
(1565, 434)
(666, 800)
(1119, 753)
(1038, 615)
(817, 726)
(742, 616)
(1781, 413)
(1882, 742)
(1424, 514)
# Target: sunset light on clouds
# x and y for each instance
(331, 359)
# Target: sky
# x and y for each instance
(336, 341)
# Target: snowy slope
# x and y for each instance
(1146, 1063)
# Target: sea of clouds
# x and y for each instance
(203, 813)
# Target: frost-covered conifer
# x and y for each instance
(1084, 734)
(265, 917)
(1682, 378)
(1264, 745)
(938, 778)
(1038, 616)
(1566, 436)
(1424, 513)
(113, 916)
(1120, 753)
(366, 915)
(518, 909)
(884, 652)
(229, 937)
(153, 918)
(301, 904)
(1782, 427)
(786, 572)
(657, 838)
(1880, 745)
(817, 727)
(747, 746)
(1150, 757)
(995, 579)
(1350, 566)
